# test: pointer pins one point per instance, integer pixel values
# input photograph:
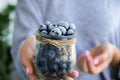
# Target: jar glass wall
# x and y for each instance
(54, 57)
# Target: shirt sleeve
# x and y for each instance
(118, 46)
(119, 72)
(27, 19)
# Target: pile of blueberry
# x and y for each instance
(50, 64)
(62, 28)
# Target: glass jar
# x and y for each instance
(54, 56)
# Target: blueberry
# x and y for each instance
(55, 32)
(72, 26)
(44, 69)
(53, 68)
(41, 61)
(62, 65)
(55, 25)
(61, 73)
(56, 60)
(64, 24)
(42, 27)
(63, 30)
(53, 75)
(51, 54)
(51, 26)
(48, 23)
(70, 32)
(44, 32)
(68, 66)
(42, 65)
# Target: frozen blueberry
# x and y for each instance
(42, 27)
(53, 75)
(51, 26)
(68, 66)
(61, 73)
(62, 65)
(48, 23)
(41, 61)
(55, 25)
(53, 68)
(51, 54)
(44, 69)
(56, 60)
(55, 32)
(62, 29)
(44, 32)
(64, 24)
(70, 32)
(72, 26)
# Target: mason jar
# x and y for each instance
(54, 57)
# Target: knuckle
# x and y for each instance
(103, 58)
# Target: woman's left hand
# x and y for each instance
(99, 58)
(73, 75)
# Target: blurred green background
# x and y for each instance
(7, 10)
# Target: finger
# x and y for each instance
(27, 70)
(82, 63)
(27, 61)
(100, 58)
(91, 67)
(68, 78)
(74, 73)
(94, 52)
(34, 77)
(29, 67)
(102, 67)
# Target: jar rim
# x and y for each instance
(57, 37)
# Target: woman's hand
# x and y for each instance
(99, 58)
(27, 53)
(73, 74)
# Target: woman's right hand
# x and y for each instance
(27, 53)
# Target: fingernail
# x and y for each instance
(96, 61)
(88, 58)
(27, 70)
(68, 78)
(87, 53)
(74, 74)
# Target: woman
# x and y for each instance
(98, 39)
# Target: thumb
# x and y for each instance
(29, 67)
(30, 71)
